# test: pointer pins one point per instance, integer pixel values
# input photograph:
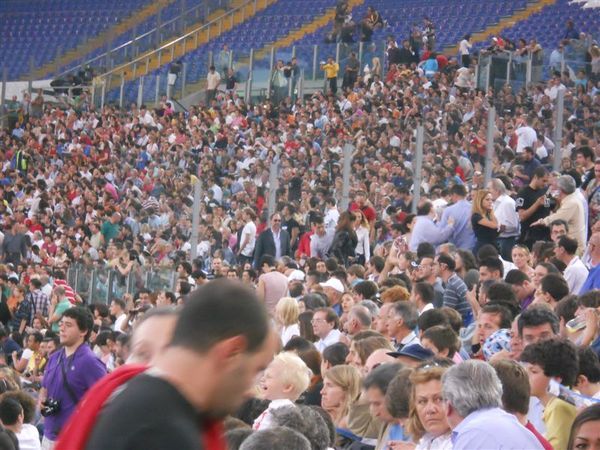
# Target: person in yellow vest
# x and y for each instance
(331, 69)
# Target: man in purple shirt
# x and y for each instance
(473, 395)
(70, 372)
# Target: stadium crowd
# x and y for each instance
(472, 324)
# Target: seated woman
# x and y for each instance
(341, 389)
(427, 422)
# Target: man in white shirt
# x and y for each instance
(248, 238)
(332, 214)
(576, 273)
(117, 310)
(213, 79)
(325, 323)
(506, 214)
(526, 135)
(402, 321)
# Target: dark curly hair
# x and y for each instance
(557, 357)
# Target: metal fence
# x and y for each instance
(103, 284)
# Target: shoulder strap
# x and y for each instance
(66, 384)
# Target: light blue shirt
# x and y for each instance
(462, 236)
(425, 230)
(491, 429)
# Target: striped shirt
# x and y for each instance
(455, 296)
(41, 303)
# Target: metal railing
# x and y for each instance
(103, 284)
(168, 51)
(149, 39)
(253, 69)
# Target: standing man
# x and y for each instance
(331, 69)
(351, 72)
(223, 333)
(272, 284)
(462, 234)
(248, 237)
(213, 79)
(14, 245)
(532, 205)
(69, 374)
(571, 210)
(273, 241)
(508, 219)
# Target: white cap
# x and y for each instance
(334, 283)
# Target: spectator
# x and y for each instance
(341, 389)
(325, 324)
(273, 241)
(506, 216)
(272, 284)
(401, 323)
(570, 210)
(284, 380)
(484, 223)
(425, 230)
(278, 438)
(462, 236)
(62, 390)
(515, 394)
(206, 322)
(455, 293)
(576, 273)
(473, 394)
(547, 360)
(331, 69)
(286, 318)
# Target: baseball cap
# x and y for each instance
(334, 283)
(414, 351)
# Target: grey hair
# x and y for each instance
(566, 183)
(305, 421)
(471, 386)
(277, 438)
(362, 314)
(498, 185)
(408, 312)
(371, 306)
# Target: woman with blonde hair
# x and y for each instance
(361, 227)
(286, 318)
(427, 422)
(483, 220)
(341, 389)
(521, 258)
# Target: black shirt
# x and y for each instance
(484, 235)
(525, 199)
(150, 414)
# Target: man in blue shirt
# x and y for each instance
(473, 395)
(462, 235)
(593, 279)
(425, 229)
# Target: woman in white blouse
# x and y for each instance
(286, 318)
(361, 226)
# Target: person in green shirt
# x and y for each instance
(59, 303)
(110, 228)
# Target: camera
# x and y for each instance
(50, 407)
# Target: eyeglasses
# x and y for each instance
(317, 320)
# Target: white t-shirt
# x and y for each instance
(29, 438)
(119, 322)
(250, 231)
(527, 137)
(464, 47)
